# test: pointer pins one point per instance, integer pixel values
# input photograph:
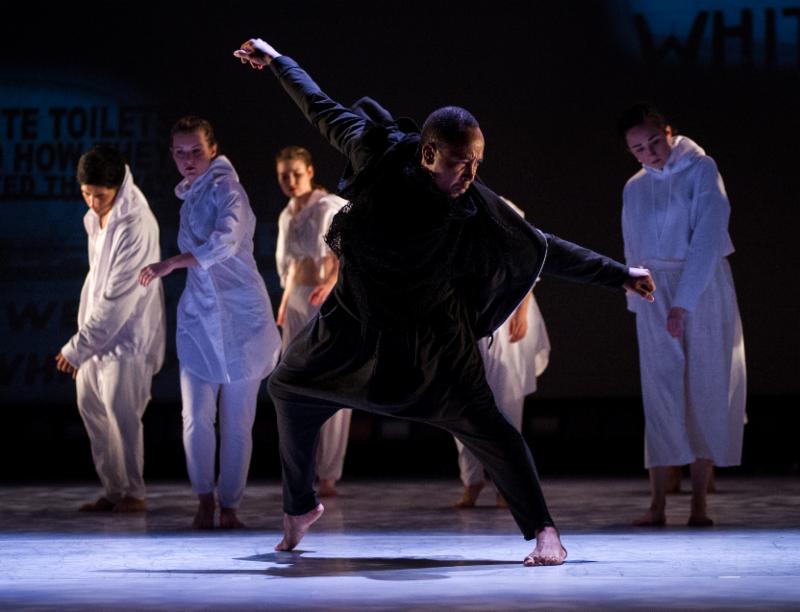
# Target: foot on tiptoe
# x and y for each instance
(295, 527)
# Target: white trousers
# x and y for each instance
(112, 396)
(333, 445)
(333, 435)
(511, 371)
(237, 411)
(471, 470)
(694, 388)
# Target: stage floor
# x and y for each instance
(387, 545)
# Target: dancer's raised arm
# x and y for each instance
(338, 124)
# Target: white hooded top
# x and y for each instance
(301, 234)
(226, 330)
(678, 217)
(117, 316)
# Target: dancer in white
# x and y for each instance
(513, 358)
(675, 222)
(227, 339)
(119, 345)
(308, 270)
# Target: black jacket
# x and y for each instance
(406, 249)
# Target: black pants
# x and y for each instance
(431, 374)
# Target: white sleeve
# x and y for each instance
(709, 230)
(121, 293)
(230, 226)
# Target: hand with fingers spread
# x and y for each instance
(257, 53)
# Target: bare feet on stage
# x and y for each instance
(548, 551)
(100, 505)
(204, 519)
(327, 488)
(229, 520)
(698, 517)
(651, 518)
(130, 504)
(700, 520)
(295, 527)
(469, 496)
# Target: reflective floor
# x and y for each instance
(401, 546)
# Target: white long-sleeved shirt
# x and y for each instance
(226, 330)
(117, 316)
(678, 216)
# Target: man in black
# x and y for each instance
(430, 261)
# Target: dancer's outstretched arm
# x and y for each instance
(576, 263)
(343, 128)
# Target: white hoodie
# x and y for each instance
(117, 316)
(678, 217)
(226, 330)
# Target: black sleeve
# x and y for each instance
(575, 263)
(342, 127)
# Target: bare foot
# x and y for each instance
(229, 520)
(130, 504)
(204, 518)
(469, 496)
(100, 505)
(700, 520)
(651, 518)
(295, 527)
(548, 551)
(500, 501)
(327, 488)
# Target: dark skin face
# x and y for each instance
(454, 166)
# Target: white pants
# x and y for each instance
(471, 470)
(112, 397)
(335, 431)
(237, 411)
(694, 388)
(511, 371)
(333, 445)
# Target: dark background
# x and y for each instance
(545, 79)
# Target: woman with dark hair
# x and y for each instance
(675, 222)
(119, 344)
(308, 270)
(226, 338)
